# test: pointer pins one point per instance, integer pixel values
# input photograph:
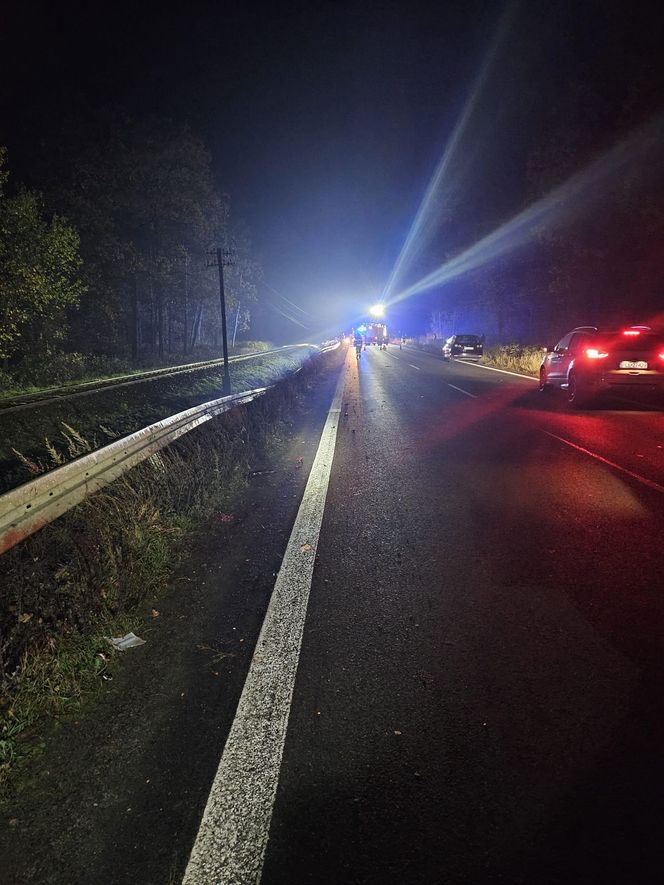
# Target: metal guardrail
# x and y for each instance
(26, 509)
(87, 388)
(29, 507)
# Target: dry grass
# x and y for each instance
(514, 357)
(84, 577)
(117, 412)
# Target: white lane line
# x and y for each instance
(502, 371)
(414, 367)
(474, 395)
(637, 476)
(231, 842)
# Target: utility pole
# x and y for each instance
(223, 260)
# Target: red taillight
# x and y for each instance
(593, 353)
(631, 332)
(661, 356)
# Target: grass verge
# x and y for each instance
(523, 358)
(88, 575)
(63, 369)
(41, 438)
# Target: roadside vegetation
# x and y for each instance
(105, 261)
(98, 571)
(523, 358)
(64, 369)
(41, 438)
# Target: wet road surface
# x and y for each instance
(479, 694)
(479, 697)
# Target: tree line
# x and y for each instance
(590, 251)
(110, 256)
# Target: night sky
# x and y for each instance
(326, 120)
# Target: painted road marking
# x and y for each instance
(414, 367)
(502, 371)
(232, 839)
(474, 395)
(637, 476)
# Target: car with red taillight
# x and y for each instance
(588, 362)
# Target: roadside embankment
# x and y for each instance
(97, 571)
(44, 437)
(70, 369)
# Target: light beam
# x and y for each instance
(429, 206)
(548, 212)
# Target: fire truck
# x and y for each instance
(374, 333)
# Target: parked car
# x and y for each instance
(588, 362)
(467, 347)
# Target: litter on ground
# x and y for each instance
(129, 640)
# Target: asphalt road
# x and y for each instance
(479, 695)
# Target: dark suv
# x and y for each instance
(587, 362)
(468, 347)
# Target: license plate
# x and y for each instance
(633, 364)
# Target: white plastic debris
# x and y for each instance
(130, 640)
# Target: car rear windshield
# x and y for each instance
(467, 339)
